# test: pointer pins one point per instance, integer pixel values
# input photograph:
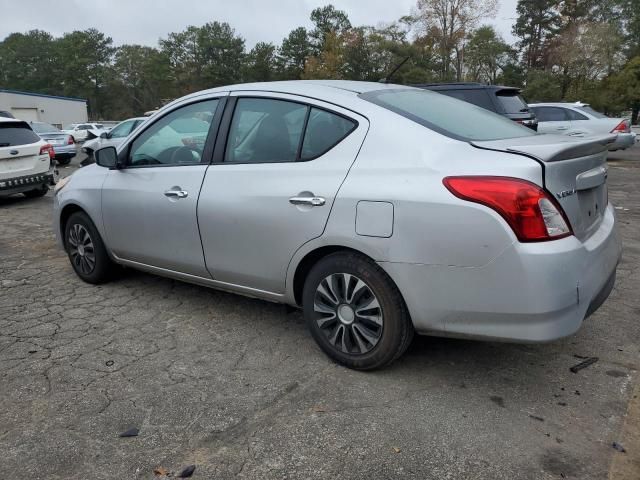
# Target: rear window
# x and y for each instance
(512, 102)
(13, 134)
(448, 116)
(477, 97)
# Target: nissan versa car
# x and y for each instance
(378, 209)
(64, 145)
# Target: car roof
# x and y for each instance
(5, 119)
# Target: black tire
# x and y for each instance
(396, 331)
(38, 192)
(63, 161)
(102, 268)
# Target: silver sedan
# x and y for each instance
(380, 210)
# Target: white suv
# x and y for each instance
(26, 161)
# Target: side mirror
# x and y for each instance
(107, 157)
(104, 135)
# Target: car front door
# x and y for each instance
(278, 165)
(149, 205)
(552, 120)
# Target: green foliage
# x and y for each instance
(542, 86)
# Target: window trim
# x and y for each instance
(207, 152)
(221, 147)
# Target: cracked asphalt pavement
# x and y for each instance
(237, 386)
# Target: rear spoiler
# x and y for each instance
(561, 148)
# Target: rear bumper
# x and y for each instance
(64, 151)
(623, 141)
(531, 292)
(10, 186)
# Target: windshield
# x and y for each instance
(44, 128)
(448, 116)
(512, 102)
(591, 111)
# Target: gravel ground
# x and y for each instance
(238, 388)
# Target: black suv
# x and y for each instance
(506, 101)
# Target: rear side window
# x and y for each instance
(448, 116)
(511, 101)
(324, 131)
(573, 115)
(592, 112)
(477, 97)
(16, 133)
(551, 114)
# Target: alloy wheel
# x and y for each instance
(348, 313)
(81, 249)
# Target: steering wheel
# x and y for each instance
(185, 154)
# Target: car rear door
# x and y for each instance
(552, 120)
(149, 206)
(279, 163)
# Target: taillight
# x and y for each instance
(532, 214)
(622, 127)
(70, 140)
(47, 149)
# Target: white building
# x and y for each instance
(37, 107)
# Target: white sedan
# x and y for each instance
(580, 120)
(80, 131)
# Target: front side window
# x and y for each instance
(122, 130)
(178, 138)
(324, 131)
(447, 116)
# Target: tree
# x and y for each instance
(260, 63)
(204, 57)
(542, 86)
(29, 62)
(449, 21)
(84, 66)
(625, 87)
(327, 20)
(327, 65)
(486, 54)
(537, 22)
(293, 53)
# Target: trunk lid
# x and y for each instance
(575, 173)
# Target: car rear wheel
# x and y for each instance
(63, 161)
(38, 192)
(355, 312)
(86, 250)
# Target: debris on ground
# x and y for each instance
(585, 364)
(109, 363)
(187, 471)
(160, 472)
(318, 409)
(396, 449)
(540, 419)
(132, 432)
(618, 447)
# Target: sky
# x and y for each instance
(145, 21)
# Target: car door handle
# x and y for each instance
(176, 193)
(311, 201)
(562, 128)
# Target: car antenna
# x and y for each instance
(388, 77)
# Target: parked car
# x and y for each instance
(502, 100)
(579, 119)
(84, 131)
(63, 144)
(114, 137)
(6, 114)
(377, 209)
(26, 160)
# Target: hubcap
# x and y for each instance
(81, 249)
(348, 313)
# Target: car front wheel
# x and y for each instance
(355, 312)
(86, 250)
